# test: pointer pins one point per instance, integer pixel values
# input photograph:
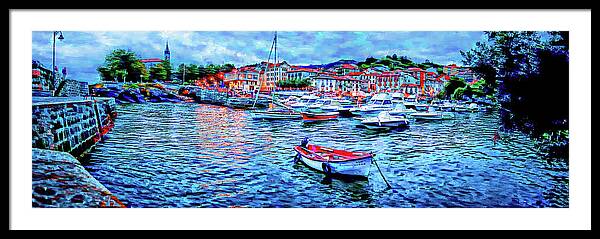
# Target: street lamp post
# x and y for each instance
(54, 82)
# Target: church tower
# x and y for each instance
(167, 52)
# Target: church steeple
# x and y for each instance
(167, 52)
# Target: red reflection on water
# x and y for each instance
(220, 134)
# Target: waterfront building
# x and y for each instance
(301, 73)
(467, 75)
(244, 79)
(274, 73)
(333, 83)
(451, 69)
(40, 77)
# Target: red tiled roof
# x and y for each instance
(303, 70)
(355, 73)
(348, 66)
(151, 60)
(408, 85)
(415, 69)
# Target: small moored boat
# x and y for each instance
(433, 115)
(319, 116)
(334, 161)
(275, 114)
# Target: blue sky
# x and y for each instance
(83, 52)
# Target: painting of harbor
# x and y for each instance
(300, 119)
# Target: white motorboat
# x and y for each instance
(304, 102)
(400, 109)
(397, 98)
(379, 102)
(384, 120)
(325, 105)
(347, 108)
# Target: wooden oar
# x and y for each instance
(385, 180)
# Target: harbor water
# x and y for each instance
(198, 155)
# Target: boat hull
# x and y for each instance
(390, 124)
(274, 116)
(312, 117)
(359, 167)
(427, 116)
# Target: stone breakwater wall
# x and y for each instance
(71, 125)
(64, 128)
(59, 181)
(223, 98)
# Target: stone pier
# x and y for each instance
(63, 129)
(70, 124)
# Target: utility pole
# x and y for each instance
(183, 81)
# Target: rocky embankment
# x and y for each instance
(60, 181)
(140, 93)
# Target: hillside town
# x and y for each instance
(340, 78)
(346, 78)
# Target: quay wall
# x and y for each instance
(72, 125)
(64, 128)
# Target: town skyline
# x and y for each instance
(83, 52)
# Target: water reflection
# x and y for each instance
(192, 155)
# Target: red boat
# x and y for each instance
(312, 117)
(334, 161)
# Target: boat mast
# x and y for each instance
(266, 70)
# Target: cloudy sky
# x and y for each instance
(83, 52)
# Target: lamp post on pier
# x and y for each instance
(60, 37)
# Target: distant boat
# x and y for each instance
(385, 120)
(433, 115)
(319, 116)
(326, 104)
(458, 107)
(304, 102)
(410, 102)
(334, 161)
(347, 108)
(400, 109)
(397, 98)
(473, 107)
(275, 114)
(446, 106)
(421, 107)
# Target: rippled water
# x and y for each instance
(195, 155)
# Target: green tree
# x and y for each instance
(122, 66)
(525, 69)
(452, 85)
(159, 71)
